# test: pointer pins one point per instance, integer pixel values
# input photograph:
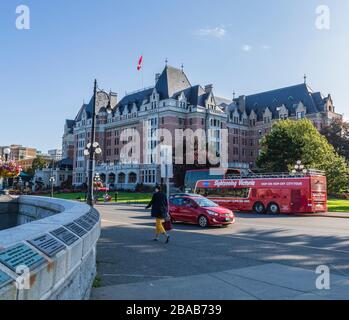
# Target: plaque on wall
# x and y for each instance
(85, 224)
(4, 279)
(94, 215)
(47, 244)
(65, 236)
(21, 255)
(89, 219)
(73, 227)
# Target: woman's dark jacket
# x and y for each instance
(159, 205)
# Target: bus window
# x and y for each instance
(223, 192)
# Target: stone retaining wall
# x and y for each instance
(53, 257)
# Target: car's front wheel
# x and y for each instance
(203, 222)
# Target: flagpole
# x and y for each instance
(142, 74)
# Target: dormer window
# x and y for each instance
(301, 115)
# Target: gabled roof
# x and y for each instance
(289, 96)
(136, 97)
(171, 81)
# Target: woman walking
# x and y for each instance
(159, 210)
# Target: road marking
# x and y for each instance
(116, 223)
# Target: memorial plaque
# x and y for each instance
(85, 224)
(94, 215)
(21, 255)
(65, 236)
(73, 227)
(4, 279)
(47, 244)
(89, 220)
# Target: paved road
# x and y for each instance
(260, 257)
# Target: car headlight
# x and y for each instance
(212, 213)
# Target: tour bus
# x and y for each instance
(193, 176)
(272, 193)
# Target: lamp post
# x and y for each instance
(7, 152)
(299, 168)
(93, 148)
(52, 181)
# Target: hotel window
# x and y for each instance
(301, 115)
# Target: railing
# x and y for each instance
(276, 175)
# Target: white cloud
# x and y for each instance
(217, 32)
(246, 48)
(266, 47)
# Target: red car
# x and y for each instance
(199, 210)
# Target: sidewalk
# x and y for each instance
(264, 282)
(342, 215)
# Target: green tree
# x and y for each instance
(38, 164)
(290, 141)
(337, 134)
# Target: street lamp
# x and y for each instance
(299, 168)
(93, 148)
(52, 181)
(7, 152)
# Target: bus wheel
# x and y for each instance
(273, 208)
(203, 222)
(259, 208)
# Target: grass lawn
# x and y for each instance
(123, 197)
(338, 205)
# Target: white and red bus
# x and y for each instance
(268, 193)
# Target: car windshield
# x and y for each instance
(203, 202)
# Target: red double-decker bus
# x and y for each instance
(274, 193)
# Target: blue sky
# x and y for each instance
(247, 46)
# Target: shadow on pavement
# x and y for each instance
(127, 254)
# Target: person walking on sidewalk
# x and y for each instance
(159, 210)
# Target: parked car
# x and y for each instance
(199, 210)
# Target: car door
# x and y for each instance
(189, 211)
(180, 210)
(174, 208)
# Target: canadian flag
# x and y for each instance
(139, 66)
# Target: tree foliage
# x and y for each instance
(290, 141)
(337, 134)
(38, 164)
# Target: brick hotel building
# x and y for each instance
(173, 103)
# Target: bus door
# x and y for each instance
(296, 200)
(318, 194)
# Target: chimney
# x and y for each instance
(242, 103)
(209, 88)
(157, 77)
(113, 99)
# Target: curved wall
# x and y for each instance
(53, 257)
